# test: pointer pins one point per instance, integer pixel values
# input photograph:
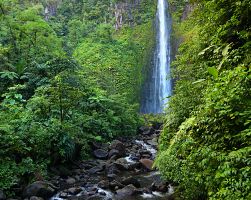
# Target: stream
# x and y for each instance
(121, 170)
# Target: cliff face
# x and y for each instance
(123, 12)
(120, 13)
(50, 8)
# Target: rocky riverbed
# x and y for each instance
(120, 170)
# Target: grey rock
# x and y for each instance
(70, 181)
(103, 184)
(96, 169)
(131, 180)
(100, 153)
(40, 189)
(126, 192)
(122, 164)
(74, 190)
(119, 146)
(36, 198)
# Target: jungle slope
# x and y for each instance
(205, 146)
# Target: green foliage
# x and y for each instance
(205, 145)
(51, 105)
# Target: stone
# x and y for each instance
(116, 184)
(2, 195)
(122, 164)
(96, 169)
(95, 197)
(147, 163)
(131, 180)
(103, 184)
(119, 146)
(159, 186)
(74, 190)
(145, 130)
(100, 153)
(114, 154)
(126, 192)
(70, 181)
(153, 142)
(40, 189)
(112, 169)
(36, 198)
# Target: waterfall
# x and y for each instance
(158, 86)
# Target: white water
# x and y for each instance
(159, 86)
(147, 147)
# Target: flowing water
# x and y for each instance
(158, 86)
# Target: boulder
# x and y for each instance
(119, 146)
(36, 198)
(147, 163)
(100, 153)
(153, 142)
(145, 130)
(126, 192)
(103, 184)
(40, 189)
(2, 195)
(116, 184)
(122, 164)
(96, 169)
(70, 181)
(159, 186)
(131, 180)
(112, 169)
(114, 153)
(74, 190)
(96, 197)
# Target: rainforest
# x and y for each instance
(125, 99)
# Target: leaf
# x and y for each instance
(198, 81)
(225, 50)
(98, 138)
(213, 71)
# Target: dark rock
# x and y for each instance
(119, 146)
(159, 186)
(36, 198)
(131, 180)
(144, 130)
(147, 156)
(102, 193)
(122, 164)
(116, 184)
(111, 176)
(100, 154)
(74, 190)
(112, 169)
(114, 153)
(70, 181)
(126, 192)
(40, 189)
(96, 169)
(95, 197)
(103, 184)
(2, 195)
(157, 125)
(92, 193)
(147, 163)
